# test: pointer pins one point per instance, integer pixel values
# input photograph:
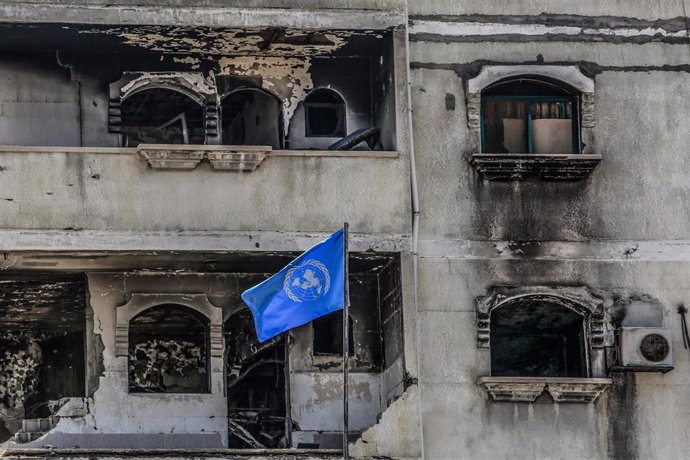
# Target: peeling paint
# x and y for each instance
(227, 42)
(193, 62)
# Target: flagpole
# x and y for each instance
(346, 339)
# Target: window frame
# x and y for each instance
(583, 336)
(562, 389)
(341, 106)
(140, 302)
(193, 314)
(530, 99)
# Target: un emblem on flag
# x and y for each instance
(307, 282)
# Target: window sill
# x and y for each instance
(518, 166)
(239, 158)
(561, 389)
(222, 157)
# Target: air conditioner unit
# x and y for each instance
(644, 349)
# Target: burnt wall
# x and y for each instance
(475, 234)
(40, 102)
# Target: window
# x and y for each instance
(530, 115)
(161, 116)
(324, 112)
(168, 351)
(328, 335)
(537, 338)
(543, 339)
(251, 117)
(532, 121)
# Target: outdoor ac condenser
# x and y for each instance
(644, 349)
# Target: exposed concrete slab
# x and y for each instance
(357, 16)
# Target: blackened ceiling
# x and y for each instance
(53, 302)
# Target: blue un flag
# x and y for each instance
(310, 286)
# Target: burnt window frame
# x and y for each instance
(204, 320)
(191, 84)
(340, 106)
(577, 298)
(582, 348)
(529, 99)
(186, 130)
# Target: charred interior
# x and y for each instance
(291, 90)
(161, 116)
(168, 351)
(49, 354)
(42, 318)
(538, 339)
(252, 116)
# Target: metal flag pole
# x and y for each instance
(346, 339)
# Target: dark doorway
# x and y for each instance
(251, 117)
(255, 385)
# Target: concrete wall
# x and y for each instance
(630, 421)
(476, 234)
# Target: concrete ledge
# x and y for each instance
(508, 166)
(358, 15)
(287, 454)
(122, 241)
(561, 389)
(9, 149)
(237, 158)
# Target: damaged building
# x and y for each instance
(182, 155)
(513, 176)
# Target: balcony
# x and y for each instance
(201, 188)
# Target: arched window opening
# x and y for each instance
(255, 386)
(325, 115)
(168, 351)
(161, 116)
(536, 338)
(530, 115)
(251, 117)
(328, 335)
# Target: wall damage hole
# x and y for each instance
(251, 117)
(537, 339)
(168, 351)
(325, 114)
(256, 386)
(161, 116)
